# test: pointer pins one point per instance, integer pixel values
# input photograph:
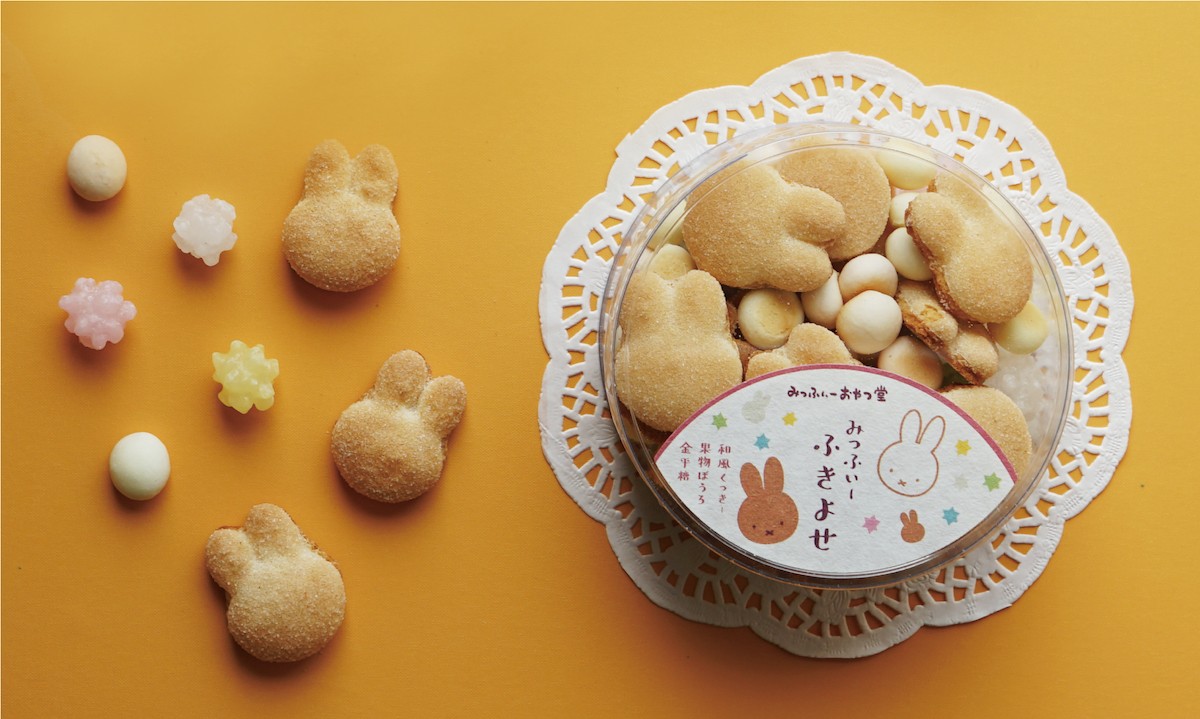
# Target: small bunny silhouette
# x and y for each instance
(768, 515)
(342, 235)
(286, 599)
(912, 530)
(391, 445)
(909, 466)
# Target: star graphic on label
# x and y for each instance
(960, 482)
(962, 446)
(992, 482)
(762, 442)
(719, 421)
(950, 515)
(871, 524)
(789, 419)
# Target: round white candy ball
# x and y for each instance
(823, 304)
(867, 272)
(139, 465)
(96, 168)
(898, 207)
(909, 357)
(766, 317)
(869, 322)
(905, 171)
(1024, 333)
(907, 258)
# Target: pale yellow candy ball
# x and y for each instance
(672, 262)
(822, 305)
(906, 172)
(1024, 333)
(905, 256)
(869, 322)
(670, 232)
(766, 317)
(898, 207)
(909, 357)
(139, 465)
(96, 168)
(867, 272)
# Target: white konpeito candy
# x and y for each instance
(204, 228)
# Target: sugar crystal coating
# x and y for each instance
(246, 376)
(204, 228)
(96, 312)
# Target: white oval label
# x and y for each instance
(835, 469)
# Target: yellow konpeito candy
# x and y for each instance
(246, 376)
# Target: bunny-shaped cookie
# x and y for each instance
(768, 516)
(391, 445)
(756, 229)
(676, 351)
(342, 235)
(909, 466)
(286, 599)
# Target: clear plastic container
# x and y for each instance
(1039, 383)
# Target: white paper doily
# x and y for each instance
(676, 571)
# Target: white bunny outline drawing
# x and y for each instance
(910, 468)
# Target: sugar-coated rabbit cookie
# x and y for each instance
(342, 235)
(807, 344)
(1000, 418)
(391, 444)
(755, 229)
(676, 351)
(286, 598)
(853, 178)
(966, 346)
(980, 267)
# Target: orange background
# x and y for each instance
(495, 594)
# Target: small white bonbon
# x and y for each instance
(766, 317)
(672, 262)
(139, 465)
(906, 172)
(96, 168)
(823, 304)
(1024, 333)
(904, 255)
(670, 232)
(869, 322)
(867, 272)
(204, 228)
(898, 207)
(909, 357)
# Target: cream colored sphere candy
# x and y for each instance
(909, 357)
(766, 317)
(905, 171)
(823, 304)
(869, 322)
(867, 272)
(671, 262)
(1024, 333)
(902, 251)
(898, 207)
(96, 168)
(139, 465)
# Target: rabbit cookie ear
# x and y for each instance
(328, 169)
(270, 528)
(227, 556)
(910, 426)
(752, 481)
(773, 476)
(374, 175)
(931, 436)
(402, 378)
(442, 404)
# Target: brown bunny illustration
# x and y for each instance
(391, 444)
(912, 531)
(342, 235)
(909, 466)
(768, 516)
(286, 599)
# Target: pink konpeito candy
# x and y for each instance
(96, 312)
